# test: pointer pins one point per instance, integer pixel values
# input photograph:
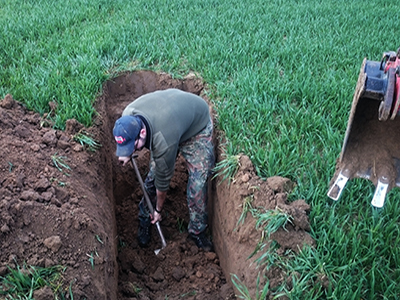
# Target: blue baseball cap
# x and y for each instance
(126, 131)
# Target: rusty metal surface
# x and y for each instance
(371, 146)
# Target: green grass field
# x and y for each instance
(281, 74)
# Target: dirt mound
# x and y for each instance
(236, 241)
(53, 204)
(61, 203)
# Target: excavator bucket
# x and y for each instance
(371, 146)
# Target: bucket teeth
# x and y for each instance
(380, 194)
(337, 187)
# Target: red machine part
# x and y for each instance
(392, 101)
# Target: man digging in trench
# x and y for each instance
(167, 123)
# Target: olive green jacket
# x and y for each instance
(173, 117)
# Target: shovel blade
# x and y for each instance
(371, 148)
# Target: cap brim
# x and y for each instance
(126, 150)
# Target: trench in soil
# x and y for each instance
(181, 269)
(93, 212)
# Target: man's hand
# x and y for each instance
(124, 159)
(156, 218)
(159, 205)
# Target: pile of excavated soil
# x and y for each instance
(63, 204)
(54, 215)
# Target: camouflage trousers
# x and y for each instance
(198, 152)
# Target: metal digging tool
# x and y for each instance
(149, 205)
(371, 146)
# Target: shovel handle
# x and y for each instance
(149, 205)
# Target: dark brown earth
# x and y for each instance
(84, 216)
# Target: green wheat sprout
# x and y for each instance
(87, 141)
